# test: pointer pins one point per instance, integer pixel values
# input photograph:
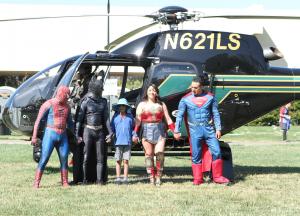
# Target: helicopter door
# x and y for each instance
(67, 78)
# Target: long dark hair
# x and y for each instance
(157, 99)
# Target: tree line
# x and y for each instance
(272, 118)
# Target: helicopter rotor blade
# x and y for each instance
(67, 16)
(128, 35)
(252, 17)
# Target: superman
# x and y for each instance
(204, 124)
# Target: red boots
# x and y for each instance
(64, 178)
(217, 171)
(160, 159)
(37, 179)
(39, 173)
(197, 173)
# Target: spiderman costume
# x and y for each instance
(56, 111)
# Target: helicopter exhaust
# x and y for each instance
(272, 53)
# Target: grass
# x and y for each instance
(267, 182)
(262, 135)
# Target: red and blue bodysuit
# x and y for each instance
(57, 113)
(203, 119)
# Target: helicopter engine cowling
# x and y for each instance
(272, 53)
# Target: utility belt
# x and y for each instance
(94, 127)
(199, 124)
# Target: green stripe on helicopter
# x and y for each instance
(257, 78)
(221, 92)
(177, 83)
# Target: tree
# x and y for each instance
(272, 118)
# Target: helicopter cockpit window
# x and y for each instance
(39, 87)
(164, 70)
(49, 73)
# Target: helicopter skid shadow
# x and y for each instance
(179, 175)
(241, 172)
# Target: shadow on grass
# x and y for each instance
(138, 174)
(240, 172)
(179, 175)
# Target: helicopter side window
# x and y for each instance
(135, 78)
(127, 83)
(162, 71)
(122, 81)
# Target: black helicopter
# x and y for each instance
(237, 70)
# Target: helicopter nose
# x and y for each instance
(19, 119)
(7, 118)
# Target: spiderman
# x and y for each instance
(56, 111)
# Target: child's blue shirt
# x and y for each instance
(122, 127)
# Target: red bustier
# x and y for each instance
(150, 117)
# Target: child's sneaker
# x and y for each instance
(118, 180)
(125, 180)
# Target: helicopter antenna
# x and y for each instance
(108, 24)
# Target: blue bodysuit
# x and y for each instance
(202, 118)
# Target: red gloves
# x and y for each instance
(172, 127)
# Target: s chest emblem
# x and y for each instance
(199, 101)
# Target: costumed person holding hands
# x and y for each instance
(91, 126)
(57, 113)
(150, 116)
(202, 116)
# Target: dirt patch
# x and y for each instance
(14, 141)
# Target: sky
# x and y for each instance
(48, 41)
(266, 4)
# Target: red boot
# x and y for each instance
(37, 179)
(217, 171)
(149, 162)
(160, 159)
(197, 173)
(64, 178)
(151, 172)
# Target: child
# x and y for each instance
(122, 126)
(285, 120)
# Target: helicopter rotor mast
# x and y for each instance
(173, 15)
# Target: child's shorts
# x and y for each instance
(123, 152)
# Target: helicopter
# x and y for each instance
(236, 68)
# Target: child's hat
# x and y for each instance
(122, 101)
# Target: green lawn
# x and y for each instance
(260, 134)
(267, 182)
